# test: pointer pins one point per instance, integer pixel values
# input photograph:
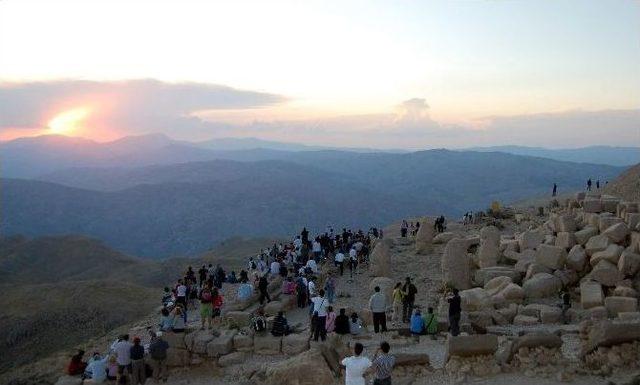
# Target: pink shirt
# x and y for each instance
(330, 324)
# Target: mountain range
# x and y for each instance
(155, 197)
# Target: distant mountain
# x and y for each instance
(166, 210)
(239, 144)
(614, 156)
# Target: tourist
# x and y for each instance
(288, 286)
(76, 365)
(555, 190)
(416, 326)
(320, 304)
(138, 375)
(280, 326)
(178, 321)
(316, 248)
(259, 322)
(167, 297)
(122, 349)
(244, 276)
(312, 265)
(339, 262)
(262, 288)
(330, 325)
(304, 235)
(589, 184)
(158, 352)
(383, 364)
(112, 368)
(409, 297)
(275, 268)
(353, 260)
(311, 287)
(598, 184)
(356, 366)
(355, 325)
(245, 291)
(96, 368)
(206, 307)
(403, 229)
(202, 274)
(181, 293)
(398, 297)
(431, 323)
(301, 292)
(330, 288)
(378, 307)
(454, 312)
(343, 324)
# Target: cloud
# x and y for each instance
(136, 105)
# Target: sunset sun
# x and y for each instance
(65, 123)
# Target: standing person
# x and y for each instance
(342, 323)
(417, 325)
(431, 323)
(598, 184)
(353, 260)
(356, 366)
(330, 288)
(301, 292)
(202, 274)
(330, 325)
(555, 190)
(218, 300)
(339, 262)
(316, 247)
(158, 352)
(181, 293)
(319, 318)
(305, 235)
(398, 297)
(378, 307)
(383, 364)
(589, 184)
(409, 291)
(262, 287)
(138, 375)
(123, 356)
(206, 307)
(454, 313)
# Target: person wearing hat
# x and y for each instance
(138, 375)
(158, 352)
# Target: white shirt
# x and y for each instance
(316, 246)
(312, 288)
(356, 366)
(297, 243)
(339, 257)
(275, 268)
(358, 246)
(123, 352)
(320, 305)
(182, 291)
(352, 253)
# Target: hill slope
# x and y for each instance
(627, 185)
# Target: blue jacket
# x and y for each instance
(417, 324)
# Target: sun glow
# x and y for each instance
(66, 122)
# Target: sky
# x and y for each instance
(401, 74)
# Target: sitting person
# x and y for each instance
(431, 323)
(232, 278)
(76, 365)
(96, 368)
(166, 320)
(280, 326)
(177, 321)
(167, 297)
(355, 325)
(416, 325)
(259, 322)
(342, 323)
(245, 291)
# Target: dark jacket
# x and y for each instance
(342, 324)
(158, 349)
(137, 352)
(280, 326)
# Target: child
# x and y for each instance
(416, 325)
(431, 323)
(112, 368)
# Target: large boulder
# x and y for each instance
(596, 243)
(591, 205)
(583, 236)
(541, 285)
(565, 223)
(525, 320)
(530, 239)
(615, 305)
(606, 273)
(577, 258)
(267, 344)
(424, 236)
(482, 276)
(175, 340)
(386, 287)
(496, 285)
(411, 359)
(456, 264)
(197, 341)
(552, 257)
(565, 240)
(629, 263)
(591, 294)
(237, 319)
(295, 344)
(231, 359)
(617, 233)
(473, 345)
(443, 238)
(489, 251)
(69, 380)
(380, 260)
(611, 253)
(606, 221)
(608, 333)
(475, 299)
(178, 357)
(307, 368)
(221, 345)
(537, 340)
(243, 342)
(536, 268)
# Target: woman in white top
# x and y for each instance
(356, 366)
